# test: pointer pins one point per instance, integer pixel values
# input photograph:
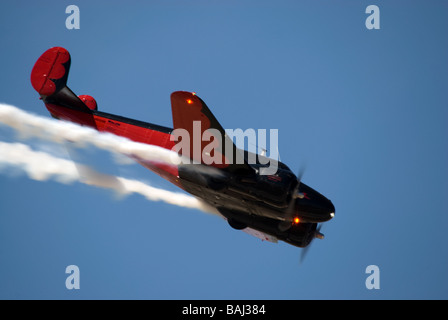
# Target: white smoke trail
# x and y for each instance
(43, 166)
(29, 125)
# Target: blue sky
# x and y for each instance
(365, 110)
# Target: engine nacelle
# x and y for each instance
(89, 101)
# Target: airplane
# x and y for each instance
(271, 207)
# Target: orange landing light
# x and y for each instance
(189, 101)
(296, 220)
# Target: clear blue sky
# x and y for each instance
(365, 110)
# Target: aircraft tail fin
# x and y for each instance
(50, 72)
(191, 114)
(49, 78)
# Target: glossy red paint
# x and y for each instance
(48, 69)
(89, 101)
(188, 115)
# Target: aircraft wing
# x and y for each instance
(207, 142)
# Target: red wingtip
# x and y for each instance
(50, 71)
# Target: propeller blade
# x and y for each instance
(289, 213)
(304, 252)
(300, 173)
(317, 234)
(297, 193)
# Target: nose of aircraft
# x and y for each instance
(331, 210)
(315, 207)
(325, 209)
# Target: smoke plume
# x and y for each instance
(42, 166)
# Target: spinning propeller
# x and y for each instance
(290, 217)
(317, 235)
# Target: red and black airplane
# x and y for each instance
(272, 207)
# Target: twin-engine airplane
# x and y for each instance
(272, 207)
